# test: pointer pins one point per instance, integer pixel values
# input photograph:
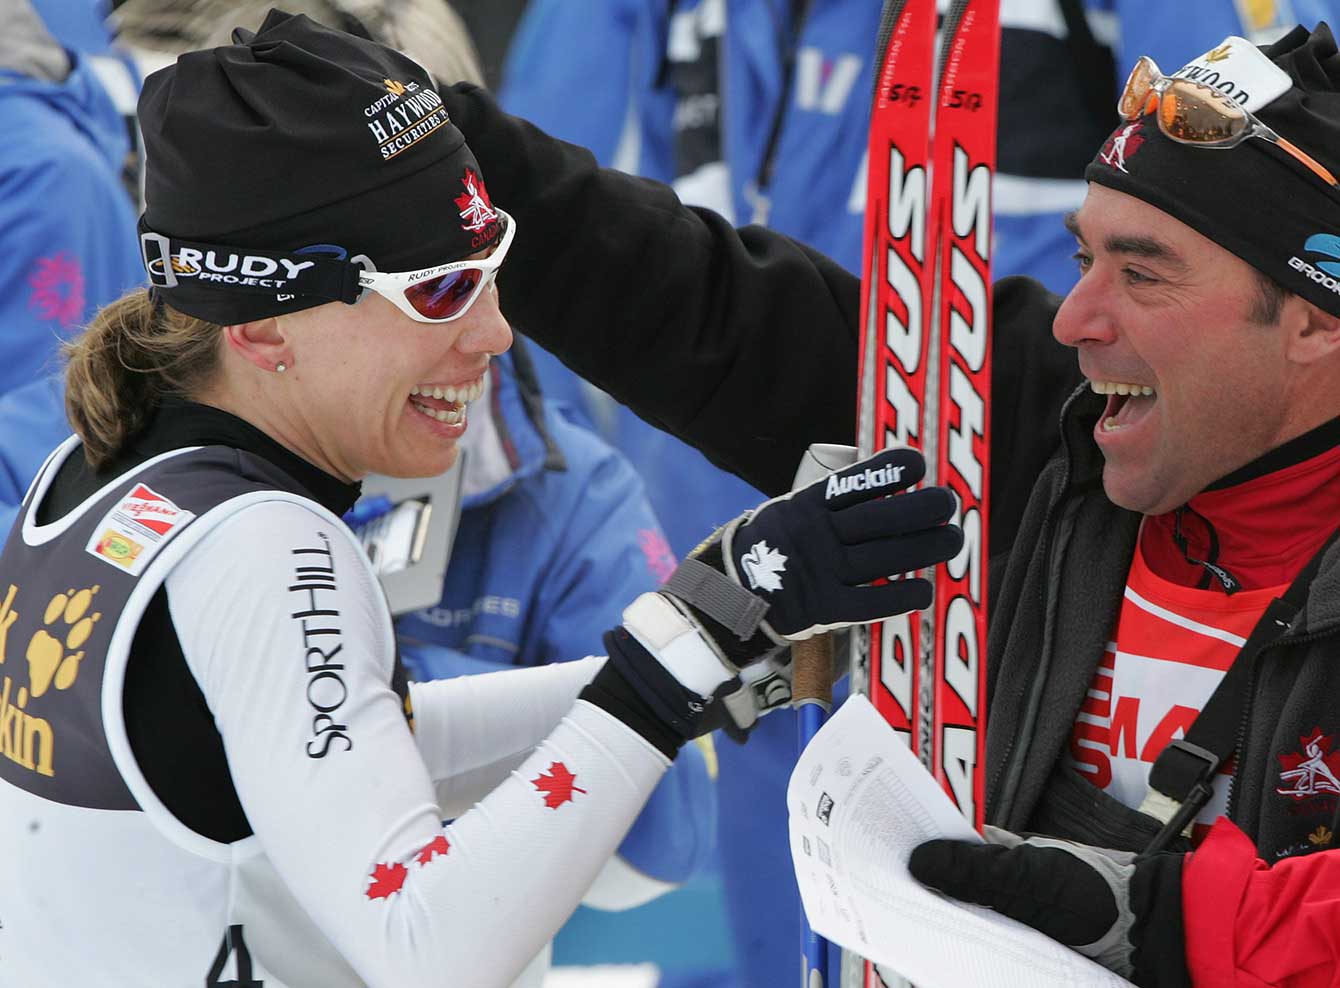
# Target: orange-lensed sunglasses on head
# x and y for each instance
(1196, 114)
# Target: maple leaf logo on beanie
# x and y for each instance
(1122, 145)
(476, 210)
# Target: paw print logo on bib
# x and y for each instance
(55, 651)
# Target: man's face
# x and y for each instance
(1160, 307)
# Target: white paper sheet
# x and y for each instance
(859, 801)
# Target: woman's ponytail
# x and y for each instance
(132, 354)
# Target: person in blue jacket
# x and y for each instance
(67, 229)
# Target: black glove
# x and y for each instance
(1123, 911)
(797, 565)
(806, 562)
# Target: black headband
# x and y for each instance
(1253, 200)
(204, 279)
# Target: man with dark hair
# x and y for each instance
(1186, 518)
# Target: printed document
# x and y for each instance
(859, 801)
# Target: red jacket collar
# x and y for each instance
(1259, 524)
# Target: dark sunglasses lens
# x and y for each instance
(444, 297)
(1199, 115)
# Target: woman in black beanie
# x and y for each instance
(213, 769)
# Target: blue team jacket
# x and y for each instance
(66, 222)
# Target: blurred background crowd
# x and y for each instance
(754, 108)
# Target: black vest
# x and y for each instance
(72, 600)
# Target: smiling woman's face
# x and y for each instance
(378, 392)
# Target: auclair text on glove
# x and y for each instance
(870, 479)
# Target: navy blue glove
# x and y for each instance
(809, 559)
(813, 553)
(794, 567)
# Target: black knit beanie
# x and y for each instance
(272, 162)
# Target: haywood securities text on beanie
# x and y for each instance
(299, 138)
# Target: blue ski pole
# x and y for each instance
(812, 692)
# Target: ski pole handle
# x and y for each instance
(812, 672)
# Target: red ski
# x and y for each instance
(964, 163)
(897, 301)
(925, 368)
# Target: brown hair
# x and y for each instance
(132, 355)
(1268, 305)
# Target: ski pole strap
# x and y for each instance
(1182, 778)
(717, 596)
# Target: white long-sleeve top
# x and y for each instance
(350, 877)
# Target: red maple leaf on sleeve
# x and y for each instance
(386, 880)
(438, 845)
(557, 785)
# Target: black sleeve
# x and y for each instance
(741, 342)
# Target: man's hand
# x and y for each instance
(807, 562)
(1123, 912)
(797, 565)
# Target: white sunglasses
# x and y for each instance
(443, 292)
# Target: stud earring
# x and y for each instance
(281, 367)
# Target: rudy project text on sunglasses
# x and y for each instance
(445, 291)
(440, 293)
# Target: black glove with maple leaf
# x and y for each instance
(806, 562)
(797, 565)
(1123, 911)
